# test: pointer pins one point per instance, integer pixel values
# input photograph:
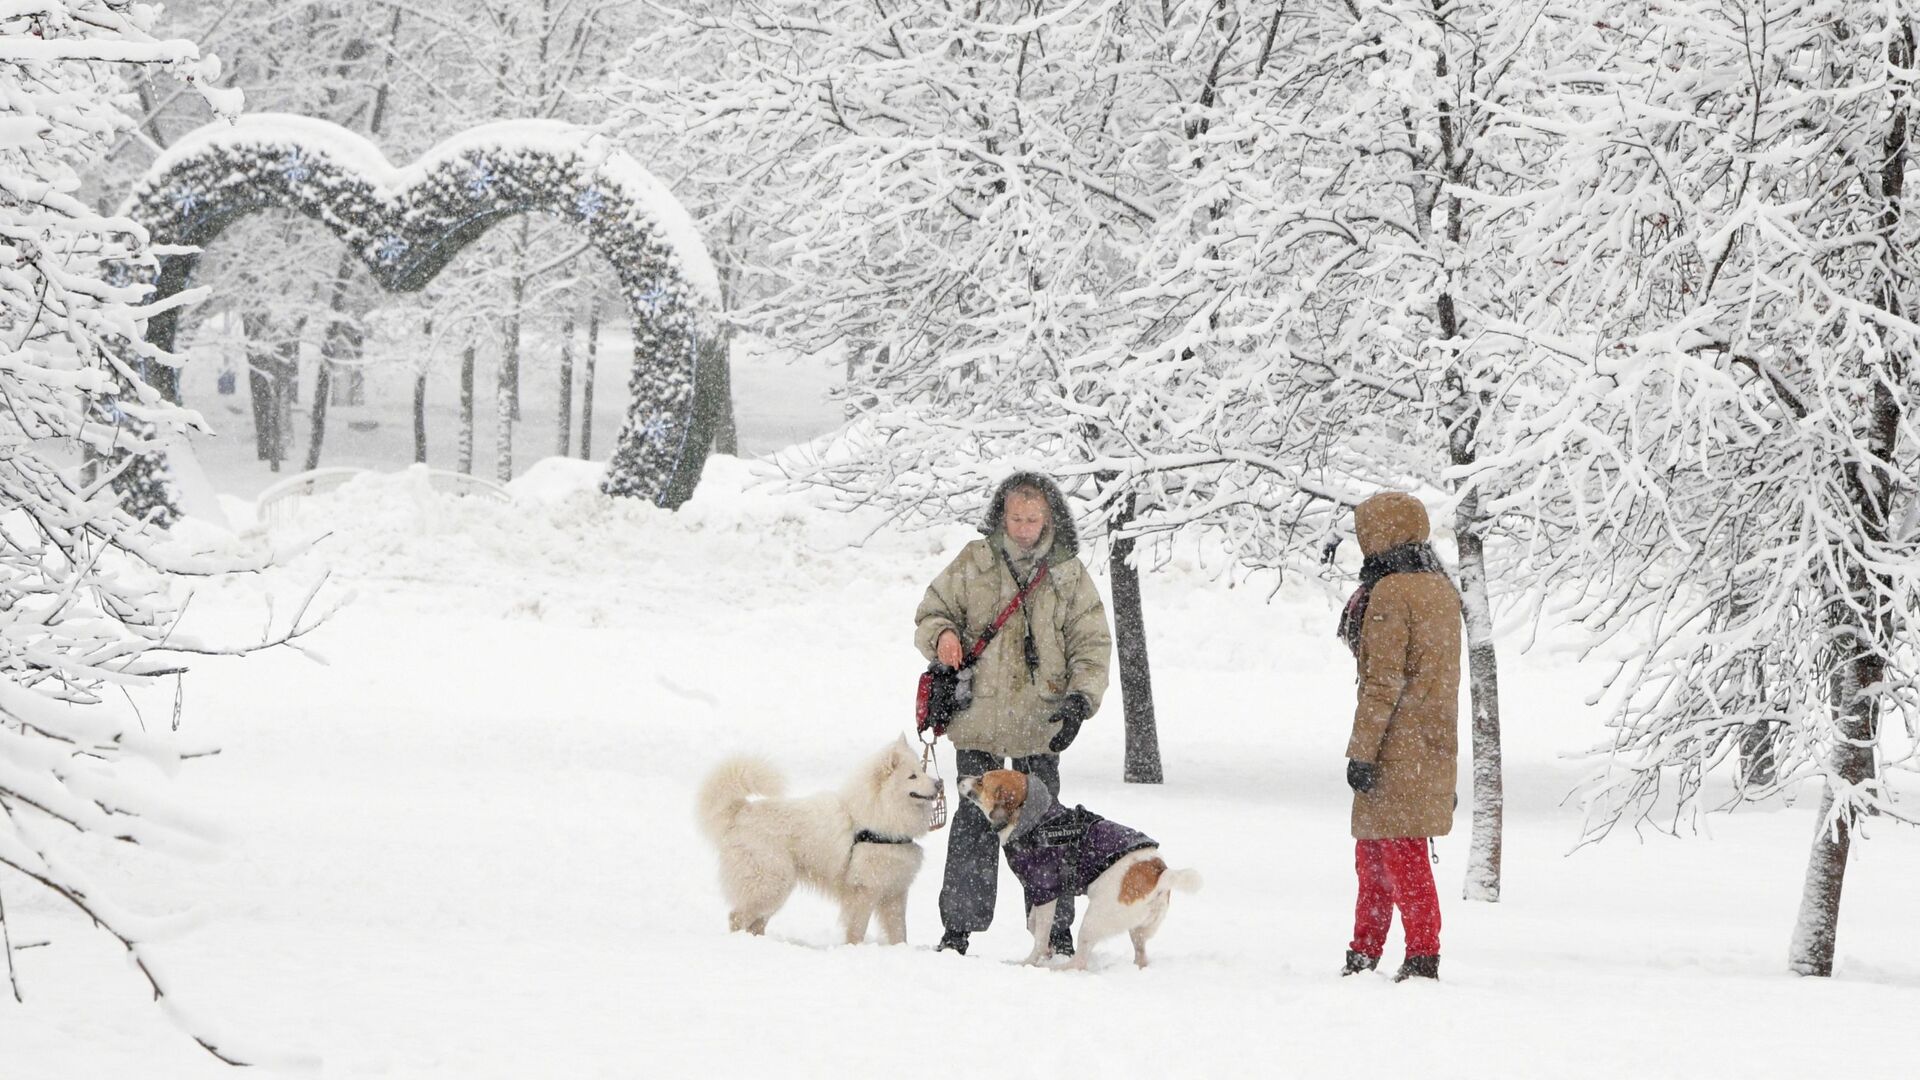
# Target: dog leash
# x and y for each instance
(937, 813)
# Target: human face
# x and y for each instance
(1026, 519)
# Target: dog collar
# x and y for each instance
(868, 836)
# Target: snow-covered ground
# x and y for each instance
(463, 846)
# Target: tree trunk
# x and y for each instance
(420, 405)
(343, 341)
(286, 391)
(257, 327)
(1470, 404)
(1814, 933)
(586, 384)
(510, 362)
(161, 377)
(1136, 676)
(333, 343)
(466, 411)
(317, 434)
(566, 388)
(506, 407)
(420, 418)
(351, 387)
(1867, 621)
(726, 432)
(1489, 795)
(1758, 766)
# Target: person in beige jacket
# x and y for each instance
(1403, 626)
(1039, 679)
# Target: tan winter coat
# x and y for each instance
(1407, 717)
(1010, 710)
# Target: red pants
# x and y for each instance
(1395, 873)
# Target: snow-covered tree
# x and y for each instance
(1714, 432)
(89, 607)
(1001, 212)
(1364, 228)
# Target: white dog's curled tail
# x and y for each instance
(1181, 880)
(729, 786)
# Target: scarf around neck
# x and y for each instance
(1414, 558)
(1022, 568)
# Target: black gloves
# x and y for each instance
(1362, 775)
(1070, 715)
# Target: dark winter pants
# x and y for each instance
(973, 849)
(1395, 873)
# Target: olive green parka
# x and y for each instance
(1012, 705)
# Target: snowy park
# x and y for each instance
(480, 481)
(463, 845)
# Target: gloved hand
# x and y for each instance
(1070, 715)
(1362, 775)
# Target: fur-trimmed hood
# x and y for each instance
(1066, 539)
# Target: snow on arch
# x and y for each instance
(407, 222)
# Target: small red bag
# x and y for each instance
(939, 697)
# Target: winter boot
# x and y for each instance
(955, 940)
(1358, 962)
(1419, 967)
(1060, 941)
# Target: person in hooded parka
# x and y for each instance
(1039, 679)
(1403, 627)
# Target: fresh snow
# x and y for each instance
(458, 838)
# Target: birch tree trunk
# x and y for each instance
(507, 382)
(1483, 859)
(1483, 671)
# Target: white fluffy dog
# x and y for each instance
(856, 845)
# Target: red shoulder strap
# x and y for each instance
(1039, 574)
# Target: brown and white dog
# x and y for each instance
(856, 844)
(1057, 852)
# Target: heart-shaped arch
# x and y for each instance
(406, 224)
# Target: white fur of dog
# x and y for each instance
(1131, 896)
(768, 844)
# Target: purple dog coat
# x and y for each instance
(1058, 852)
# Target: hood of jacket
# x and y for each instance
(1066, 539)
(1039, 801)
(1388, 520)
